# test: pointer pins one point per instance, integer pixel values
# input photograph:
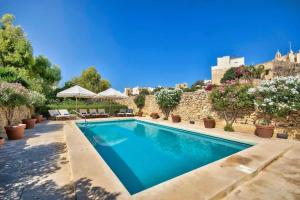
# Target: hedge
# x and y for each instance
(110, 107)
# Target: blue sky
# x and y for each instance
(155, 42)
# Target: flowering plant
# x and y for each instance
(229, 99)
(36, 99)
(167, 100)
(278, 97)
(12, 95)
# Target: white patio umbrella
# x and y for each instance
(111, 94)
(77, 92)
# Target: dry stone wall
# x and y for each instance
(19, 114)
(193, 106)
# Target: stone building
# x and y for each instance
(181, 86)
(223, 64)
(282, 65)
(136, 90)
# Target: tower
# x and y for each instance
(278, 56)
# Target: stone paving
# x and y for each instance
(280, 180)
(37, 166)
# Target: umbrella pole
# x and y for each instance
(76, 104)
(110, 107)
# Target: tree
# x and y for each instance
(139, 101)
(277, 98)
(167, 100)
(15, 48)
(12, 96)
(89, 79)
(104, 85)
(230, 99)
(11, 75)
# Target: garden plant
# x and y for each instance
(167, 100)
(230, 99)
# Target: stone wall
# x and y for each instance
(19, 114)
(193, 106)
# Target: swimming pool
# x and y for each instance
(144, 154)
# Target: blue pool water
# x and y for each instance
(143, 154)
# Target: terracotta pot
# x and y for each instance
(15, 132)
(176, 118)
(209, 123)
(140, 114)
(154, 115)
(39, 118)
(30, 123)
(264, 131)
(1, 140)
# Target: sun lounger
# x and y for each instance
(129, 113)
(56, 115)
(102, 113)
(65, 113)
(93, 113)
(84, 112)
(122, 113)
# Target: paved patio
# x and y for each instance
(38, 167)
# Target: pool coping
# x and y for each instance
(231, 170)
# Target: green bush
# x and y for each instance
(228, 128)
(110, 107)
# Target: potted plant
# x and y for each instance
(139, 100)
(36, 101)
(176, 118)
(275, 100)
(1, 138)
(30, 123)
(154, 115)
(264, 128)
(167, 100)
(12, 96)
(209, 122)
(230, 99)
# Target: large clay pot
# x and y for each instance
(209, 123)
(176, 118)
(264, 131)
(15, 132)
(140, 114)
(154, 115)
(39, 118)
(30, 123)
(1, 140)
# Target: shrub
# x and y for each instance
(12, 95)
(168, 100)
(70, 105)
(139, 100)
(230, 99)
(278, 97)
(228, 128)
(36, 100)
